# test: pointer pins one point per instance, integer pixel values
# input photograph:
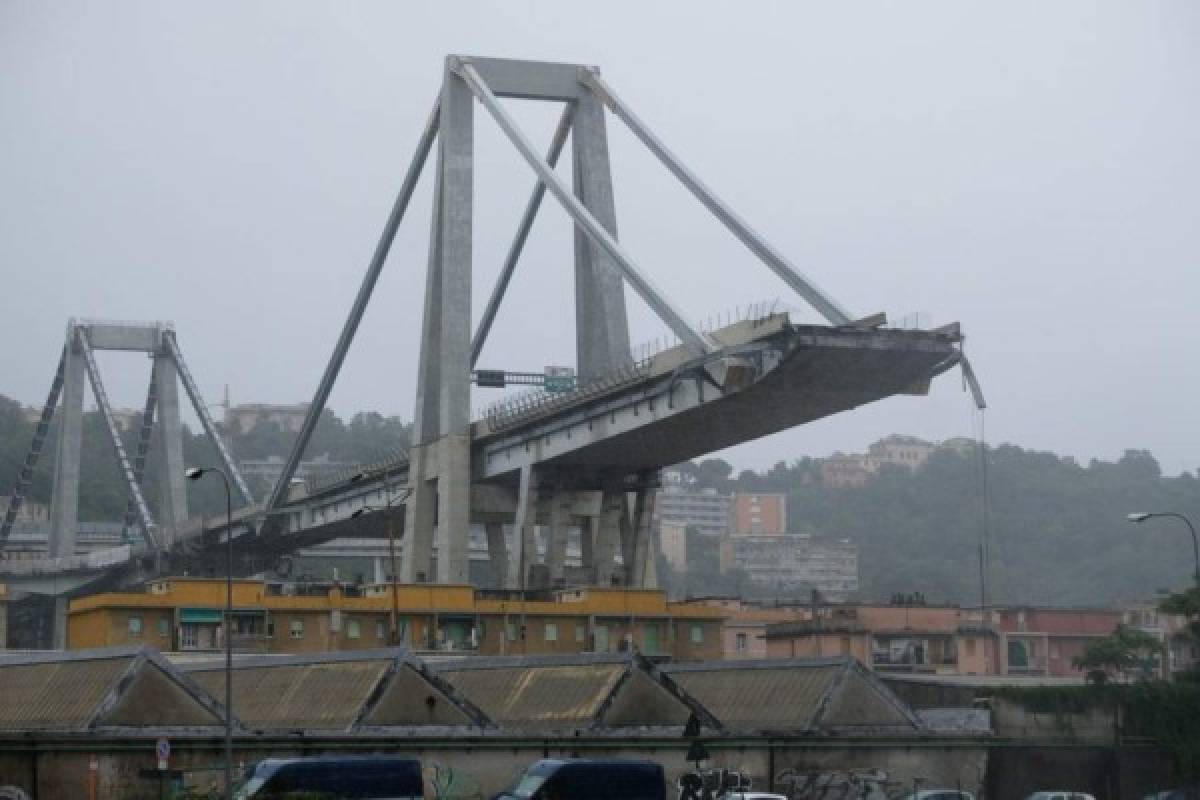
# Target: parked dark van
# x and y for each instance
(353, 778)
(589, 779)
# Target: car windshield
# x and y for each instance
(528, 785)
(249, 787)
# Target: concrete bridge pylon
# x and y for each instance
(451, 468)
(78, 366)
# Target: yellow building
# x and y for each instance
(184, 614)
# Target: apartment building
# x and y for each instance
(758, 515)
(185, 614)
(841, 470)
(242, 419)
(899, 637)
(911, 636)
(706, 510)
(743, 636)
(795, 561)
(1180, 649)
(1044, 641)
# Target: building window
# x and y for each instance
(845, 645)
(188, 637)
(164, 627)
(580, 633)
(740, 643)
(551, 632)
(697, 634)
(270, 629)
(353, 629)
(970, 648)
(296, 629)
(510, 631)
(380, 630)
(135, 626)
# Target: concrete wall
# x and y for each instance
(833, 643)
(480, 768)
(60, 769)
(1013, 721)
(1104, 773)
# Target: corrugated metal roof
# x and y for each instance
(779, 698)
(538, 694)
(58, 695)
(800, 695)
(324, 695)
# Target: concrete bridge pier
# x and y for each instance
(497, 552)
(439, 506)
(606, 538)
(172, 508)
(556, 550)
(64, 499)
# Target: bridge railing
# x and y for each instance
(518, 408)
(90, 562)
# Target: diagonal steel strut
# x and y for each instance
(315, 409)
(591, 226)
(206, 420)
(518, 244)
(143, 444)
(149, 529)
(801, 284)
(35, 450)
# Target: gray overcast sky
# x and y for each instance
(1028, 168)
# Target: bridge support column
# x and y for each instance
(441, 482)
(587, 545)
(454, 508)
(641, 568)
(497, 553)
(601, 325)
(524, 530)
(61, 605)
(172, 509)
(607, 538)
(556, 551)
(439, 508)
(420, 518)
(64, 508)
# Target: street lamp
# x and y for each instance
(1142, 516)
(195, 474)
(393, 623)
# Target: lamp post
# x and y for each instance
(393, 622)
(194, 474)
(1142, 516)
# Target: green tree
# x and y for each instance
(1125, 652)
(1187, 604)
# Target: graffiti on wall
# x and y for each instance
(871, 783)
(709, 784)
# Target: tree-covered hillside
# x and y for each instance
(1058, 533)
(367, 437)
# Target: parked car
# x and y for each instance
(752, 796)
(351, 778)
(937, 794)
(589, 779)
(1059, 795)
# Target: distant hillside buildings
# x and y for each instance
(242, 419)
(752, 536)
(752, 528)
(842, 471)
